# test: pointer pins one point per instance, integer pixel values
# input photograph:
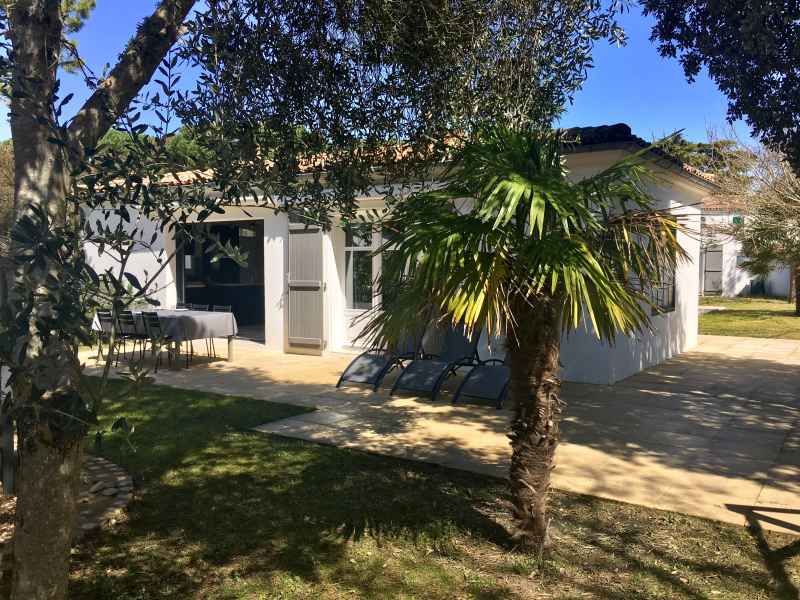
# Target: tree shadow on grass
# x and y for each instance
(709, 558)
(242, 505)
(230, 513)
(774, 559)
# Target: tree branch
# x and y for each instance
(153, 39)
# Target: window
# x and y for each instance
(663, 296)
(358, 267)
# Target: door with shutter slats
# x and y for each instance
(306, 322)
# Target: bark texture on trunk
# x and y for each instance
(35, 29)
(534, 390)
(50, 456)
(795, 288)
(47, 488)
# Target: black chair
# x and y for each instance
(210, 341)
(427, 374)
(372, 366)
(106, 321)
(127, 331)
(197, 307)
(488, 380)
(158, 339)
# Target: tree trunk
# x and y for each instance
(534, 390)
(49, 459)
(47, 486)
(49, 463)
(795, 288)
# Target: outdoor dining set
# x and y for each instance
(164, 330)
(426, 360)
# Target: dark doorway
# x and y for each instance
(211, 280)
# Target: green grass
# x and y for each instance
(226, 513)
(750, 317)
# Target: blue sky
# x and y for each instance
(631, 84)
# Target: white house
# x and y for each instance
(304, 289)
(721, 256)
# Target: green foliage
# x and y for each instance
(705, 156)
(345, 98)
(510, 228)
(75, 13)
(751, 52)
(767, 191)
(180, 149)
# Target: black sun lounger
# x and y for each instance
(488, 380)
(373, 365)
(426, 375)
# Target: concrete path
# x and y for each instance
(713, 433)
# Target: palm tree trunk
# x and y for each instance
(534, 390)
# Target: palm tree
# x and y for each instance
(510, 244)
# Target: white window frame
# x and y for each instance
(349, 283)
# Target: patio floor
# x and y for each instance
(714, 432)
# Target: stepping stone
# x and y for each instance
(111, 491)
(97, 487)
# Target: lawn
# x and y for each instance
(224, 512)
(750, 317)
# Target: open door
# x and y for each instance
(305, 307)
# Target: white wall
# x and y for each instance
(339, 334)
(276, 244)
(736, 281)
(584, 358)
(778, 282)
(142, 262)
(587, 360)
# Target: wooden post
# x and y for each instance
(230, 348)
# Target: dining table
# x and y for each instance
(182, 325)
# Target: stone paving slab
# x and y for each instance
(707, 433)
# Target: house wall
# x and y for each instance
(737, 281)
(583, 357)
(672, 333)
(143, 261)
(778, 282)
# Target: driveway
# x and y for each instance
(713, 433)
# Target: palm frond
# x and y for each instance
(527, 234)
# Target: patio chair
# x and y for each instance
(155, 333)
(372, 366)
(427, 374)
(128, 332)
(106, 322)
(487, 380)
(216, 308)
